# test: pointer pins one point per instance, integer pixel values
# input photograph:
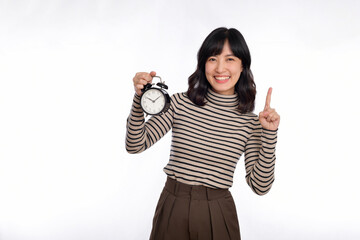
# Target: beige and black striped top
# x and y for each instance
(207, 141)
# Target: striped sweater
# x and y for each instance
(207, 141)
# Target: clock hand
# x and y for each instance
(157, 98)
(150, 99)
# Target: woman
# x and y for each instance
(212, 126)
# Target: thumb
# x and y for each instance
(153, 73)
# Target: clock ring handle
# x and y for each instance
(161, 83)
(159, 78)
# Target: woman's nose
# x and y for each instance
(220, 66)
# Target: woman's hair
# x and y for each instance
(212, 46)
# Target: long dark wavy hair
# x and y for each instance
(212, 46)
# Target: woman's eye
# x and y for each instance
(212, 59)
(231, 59)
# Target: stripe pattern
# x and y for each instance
(207, 141)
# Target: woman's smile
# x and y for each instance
(222, 79)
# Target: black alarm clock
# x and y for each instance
(155, 100)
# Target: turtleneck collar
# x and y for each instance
(221, 100)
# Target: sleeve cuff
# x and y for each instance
(270, 131)
(137, 99)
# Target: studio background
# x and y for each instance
(66, 70)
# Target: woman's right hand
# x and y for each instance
(141, 79)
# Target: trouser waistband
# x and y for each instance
(196, 192)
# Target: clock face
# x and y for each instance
(153, 101)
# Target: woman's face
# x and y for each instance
(223, 71)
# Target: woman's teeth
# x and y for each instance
(222, 78)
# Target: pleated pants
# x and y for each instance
(188, 212)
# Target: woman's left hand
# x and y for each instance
(269, 118)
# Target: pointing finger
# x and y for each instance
(268, 98)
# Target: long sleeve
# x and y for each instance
(141, 135)
(260, 159)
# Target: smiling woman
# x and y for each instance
(212, 126)
(223, 71)
(224, 65)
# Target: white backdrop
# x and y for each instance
(66, 70)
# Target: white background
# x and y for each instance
(66, 70)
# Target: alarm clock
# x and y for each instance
(155, 100)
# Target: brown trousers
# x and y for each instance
(186, 212)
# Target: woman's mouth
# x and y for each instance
(221, 79)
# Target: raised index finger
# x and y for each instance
(268, 98)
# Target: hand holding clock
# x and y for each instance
(154, 100)
(141, 79)
(269, 118)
